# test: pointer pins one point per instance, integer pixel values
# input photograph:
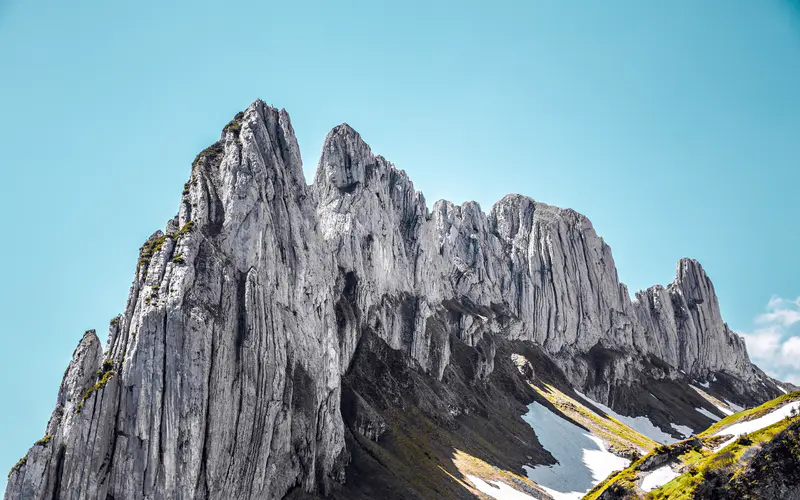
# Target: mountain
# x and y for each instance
(341, 338)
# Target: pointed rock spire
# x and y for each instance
(223, 378)
(345, 163)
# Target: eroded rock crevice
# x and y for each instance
(256, 317)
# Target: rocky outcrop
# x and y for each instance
(684, 326)
(526, 270)
(222, 379)
(773, 472)
(226, 376)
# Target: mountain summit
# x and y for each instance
(341, 338)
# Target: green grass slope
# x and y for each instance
(760, 464)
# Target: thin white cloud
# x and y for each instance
(790, 351)
(781, 311)
(775, 344)
(763, 343)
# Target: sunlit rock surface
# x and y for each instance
(222, 379)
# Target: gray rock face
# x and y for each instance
(684, 326)
(222, 379)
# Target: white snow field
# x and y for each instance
(756, 424)
(726, 411)
(658, 478)
(708, 414)
(583, 461)
(714, 401)
(736, 408)
(498, 489)
(643, 425)
(683, 430)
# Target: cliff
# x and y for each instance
(223, 377)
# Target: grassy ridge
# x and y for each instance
(697, 463)
(751, 414)
(732, 455)
(622, 439)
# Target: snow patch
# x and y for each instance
(757, 424)
(714, 401)
(782, 389)
(708, 414)
(683, 430)
(498, 489)
(736, 408)
(643, 425)
(658, 478)
(557, 495)
(726, 411)
(582, 459)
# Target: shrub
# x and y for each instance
(212, 154)
(18, 465)
(725, 459)
(99, 385)
(150, 248)
(185, 229)
(44, 440)
(233, 126)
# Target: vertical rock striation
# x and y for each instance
(225, 373)
(684, 326)
(222, 379)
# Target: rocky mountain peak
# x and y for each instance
(693, 281)
(223, 378)
(686, 328)
(511, 214)
(347, 166)
(344, 162)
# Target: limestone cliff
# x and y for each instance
(684, 326)
(223, 377)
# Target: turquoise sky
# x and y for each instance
(675, 126)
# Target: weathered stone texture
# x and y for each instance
(222, 379)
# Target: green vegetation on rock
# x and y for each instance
(150, 248)
(704, 468)
(44, 440)
(234, 126)
(622, 439)
(185, 229)
(18, 466)
(99, 385)
(212, 154)
(751, 414)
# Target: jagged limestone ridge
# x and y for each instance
(222, 377)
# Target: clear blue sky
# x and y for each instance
(675, 126)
